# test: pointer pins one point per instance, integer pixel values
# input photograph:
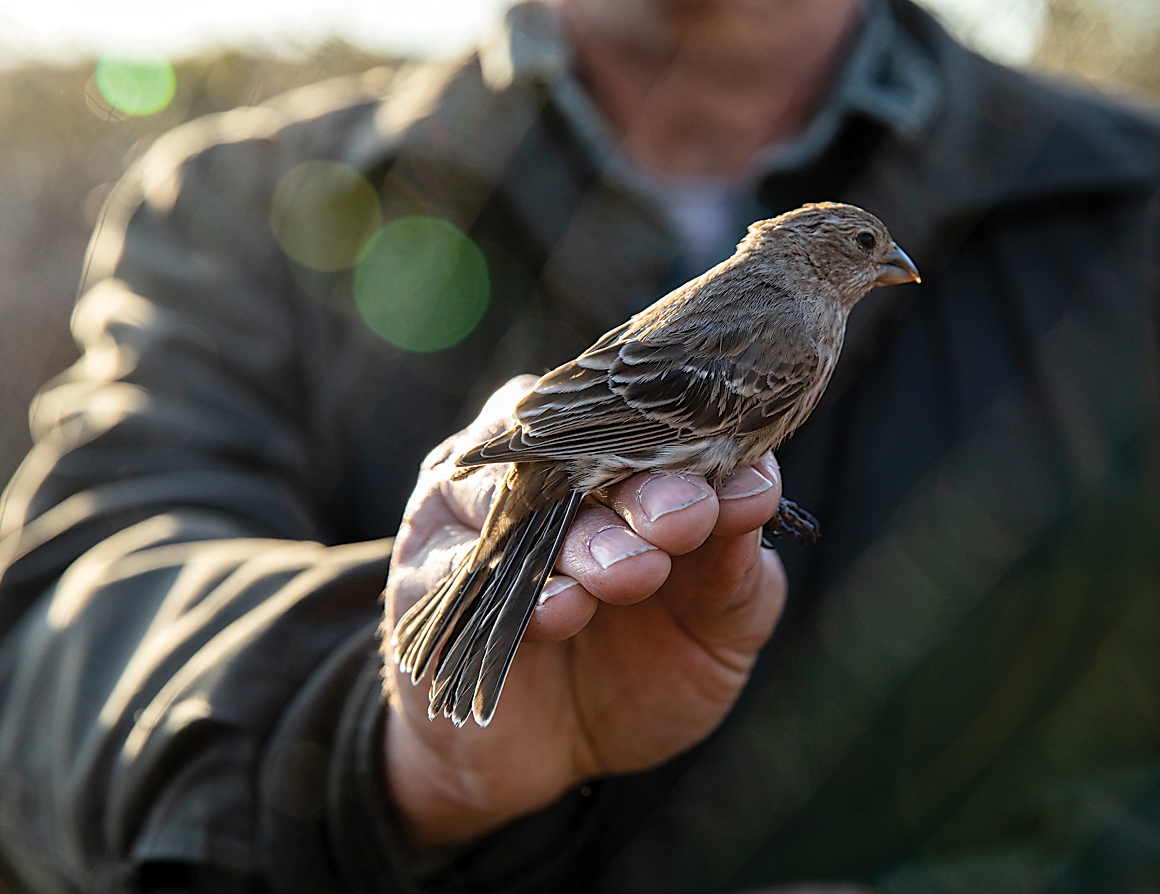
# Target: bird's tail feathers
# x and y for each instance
(474, 621)
(423, 631)
(545, 538)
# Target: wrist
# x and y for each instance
(439, 803)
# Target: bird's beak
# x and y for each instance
(897, 269)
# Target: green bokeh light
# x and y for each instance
(323, 213)
(136, 85)
(421, 284)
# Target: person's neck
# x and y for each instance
(700, 89)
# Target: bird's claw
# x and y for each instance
(790, 520)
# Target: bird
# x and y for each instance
(707, 379)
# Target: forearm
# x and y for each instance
(141, 690)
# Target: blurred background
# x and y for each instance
(86, 86)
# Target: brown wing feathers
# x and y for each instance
(636, 396)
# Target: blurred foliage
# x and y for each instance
(1112, 44)
(62, 146)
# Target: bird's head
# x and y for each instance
(844, 245)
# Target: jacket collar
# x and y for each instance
(1001, 140)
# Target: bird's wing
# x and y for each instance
(728, 381)
(572, 412)
(599, 422)
(630, 394)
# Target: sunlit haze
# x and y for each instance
(65, 30)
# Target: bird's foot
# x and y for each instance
(790, 520)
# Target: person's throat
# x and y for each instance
(684, 105)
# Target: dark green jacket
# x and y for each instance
(964, 694)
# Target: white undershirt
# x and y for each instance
(704, 211)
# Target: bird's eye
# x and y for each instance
(866, 240)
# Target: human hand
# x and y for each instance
(639, 647)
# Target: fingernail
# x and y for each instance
(747, 482)
(556, 584)
(768, 467)
(662, 494)
(615, 544)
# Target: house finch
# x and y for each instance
(707, 379)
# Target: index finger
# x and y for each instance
(678, 511)
(748, 498)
